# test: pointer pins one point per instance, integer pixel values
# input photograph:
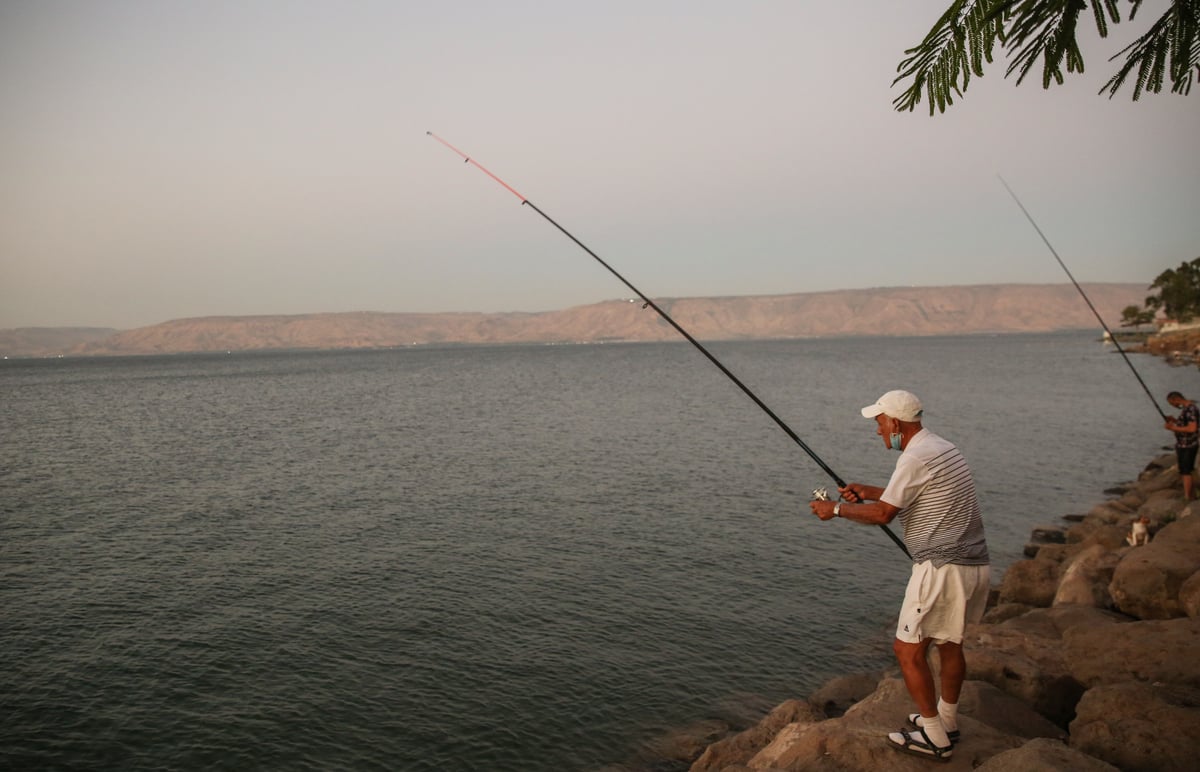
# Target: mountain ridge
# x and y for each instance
(886, 311)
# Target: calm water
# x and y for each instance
(525, 558)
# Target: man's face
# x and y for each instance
(884, 429)
(1175, 402)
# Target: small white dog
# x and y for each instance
(1138, 532)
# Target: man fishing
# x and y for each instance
(1187, 438)
(933, 492)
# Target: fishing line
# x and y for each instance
(650, 303)
(1111, 337)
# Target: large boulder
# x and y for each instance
(1095, 530)
(1025, 656)
(1147, 581)
(1189, 596)
(858, 740)
(836, 696)
(1150, 651)
(684, 743)
(1163, 465)
(743, 746)
(1045, 755)
(1157, 479)
(1107, 513)
(1085, 578)
(1161, 507)
(1140, 726)
(1134, 497)
(1004, 612)
(1048, 534)
(1031, 582)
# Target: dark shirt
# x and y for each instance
(1189, 414)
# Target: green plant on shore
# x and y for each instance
(1133, 316)
(1178, 292)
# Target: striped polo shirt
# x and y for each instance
(935, 493)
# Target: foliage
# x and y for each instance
(963, 39)
(1178, 292)
(1133, 316)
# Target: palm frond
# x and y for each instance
(1046, 31)
(1170, 50)
(959, 44)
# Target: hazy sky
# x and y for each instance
(161, 160)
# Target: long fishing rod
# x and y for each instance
(648, 302)
(1100, 319)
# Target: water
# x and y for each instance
(502, 558)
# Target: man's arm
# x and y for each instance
(871, 513)
(868, 513)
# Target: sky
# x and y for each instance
(184, 159)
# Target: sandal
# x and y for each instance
(910, 743)
(954, 735)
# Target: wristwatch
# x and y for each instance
(837, 509)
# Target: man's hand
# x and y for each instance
(822, 509)
(854, 492)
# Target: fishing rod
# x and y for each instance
(650, 303)
(1111, 337)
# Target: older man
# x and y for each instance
(933, 492)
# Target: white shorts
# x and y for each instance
(940, 601)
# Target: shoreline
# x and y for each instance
(1087, 658)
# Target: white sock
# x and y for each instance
(948, 712)
(935, 731)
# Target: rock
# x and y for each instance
(1025, 656)
(1095, 530)
(1074, 518)
(1044, 755)
(1189, 596)
(1160, 478)
(1139, 726)
(743, 746)
(1163, 463)
(1032, 582)
(1108, 513)
(1042, 536)
(1133, 498)
(1149, 651)
(1086, 577)
(1111, 537)
(1001, 711)
(1147, 581)
(686, 743)
(838, 694)
(1004, 611)
(1049, 534)
(1162, 506)
(858, 740)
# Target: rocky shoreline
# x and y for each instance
(1088, 659)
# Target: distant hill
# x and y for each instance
(49, 341)
(881, 311)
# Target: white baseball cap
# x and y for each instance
(901, 405)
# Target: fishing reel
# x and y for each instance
(820, 494)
